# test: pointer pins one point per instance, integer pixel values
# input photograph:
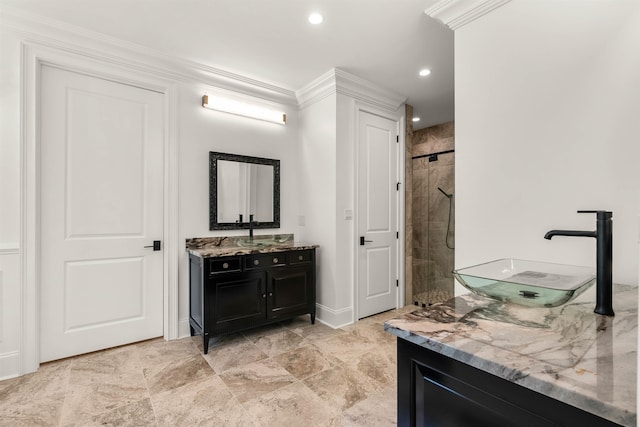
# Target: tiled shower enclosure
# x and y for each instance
(433, 213)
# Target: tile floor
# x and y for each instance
(288, 374)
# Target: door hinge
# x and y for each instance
(397, 138)
(397, 234)
(396, 283)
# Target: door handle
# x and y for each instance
(155, 246)
(363, 241)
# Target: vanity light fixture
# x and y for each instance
(424, 72)
(243, 109)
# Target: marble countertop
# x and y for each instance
(212, 247)
(568, 352)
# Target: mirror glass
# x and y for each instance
(241, 186)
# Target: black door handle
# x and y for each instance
(362, 241)
(155, 246)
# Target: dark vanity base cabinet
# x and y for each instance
(434, 390)
(231, 294)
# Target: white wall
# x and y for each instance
(200, 131)
(548, 122)
(9, 140)
(346, 146)
(317, 201)
(10, 295)
(9, 313)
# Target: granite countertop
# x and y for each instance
(212, 247)
(568, 352)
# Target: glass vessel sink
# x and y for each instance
(530, 283)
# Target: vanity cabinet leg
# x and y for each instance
(313, 317)
(205, 342)
(193, 331)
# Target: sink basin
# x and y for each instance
(530, 283)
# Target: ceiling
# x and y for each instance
(384, 41)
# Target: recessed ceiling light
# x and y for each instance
(316, 18)
(425, 72)
(416, 119)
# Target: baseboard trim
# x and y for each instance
(183, 328)
(334, 318)
(9, 365)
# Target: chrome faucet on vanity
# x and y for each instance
(604, 258)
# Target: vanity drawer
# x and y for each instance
(300, 257)
(264, 260)
(224, 265)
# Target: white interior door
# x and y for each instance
(378, 200)
(101, 203)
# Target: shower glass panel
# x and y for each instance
(433, 228)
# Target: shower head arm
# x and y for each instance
(446, 194)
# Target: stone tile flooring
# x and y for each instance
(289, 374)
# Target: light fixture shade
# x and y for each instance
(243, 109)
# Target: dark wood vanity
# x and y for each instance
(249, 288)
(435, 390)
(475, 361)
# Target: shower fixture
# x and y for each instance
(446, 194)
(450, 197)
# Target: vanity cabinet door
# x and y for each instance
(290, 291)
(196, 296)
(237, 301)
(435, 390)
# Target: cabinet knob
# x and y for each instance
(225, 265)
(275, 260)
(264, 295)
(300, 257)
(270, 294)
(256, 262)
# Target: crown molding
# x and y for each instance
(457, 13)
(317, 90)
(342, 82)
(80, 41)
(365, 91)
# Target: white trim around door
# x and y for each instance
(34, 56)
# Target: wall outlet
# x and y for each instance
(348, 214)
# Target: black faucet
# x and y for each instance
(251, 224)
(604, 258)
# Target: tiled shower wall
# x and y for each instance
(432, 232)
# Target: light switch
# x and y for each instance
(348, 214)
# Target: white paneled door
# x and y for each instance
(101, 205)
(378, 199)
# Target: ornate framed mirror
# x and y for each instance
(241, 186)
